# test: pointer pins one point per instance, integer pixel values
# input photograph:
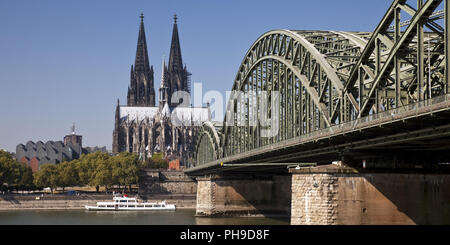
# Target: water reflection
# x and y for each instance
(84, 217)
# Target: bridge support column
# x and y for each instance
(246, 195)
(205, 197)
(314, 198)
(331, 194)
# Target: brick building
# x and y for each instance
(53, 152)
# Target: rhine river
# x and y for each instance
(84, 217)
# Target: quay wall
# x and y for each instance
(166, 182)
(11, 202)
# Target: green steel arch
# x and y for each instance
(208, 147)
(327, 78)
(308, 69)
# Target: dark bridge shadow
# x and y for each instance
(399, 186)
(245, 194)
(404, 197)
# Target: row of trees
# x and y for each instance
(95, 169)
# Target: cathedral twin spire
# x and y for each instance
(175, 62)
(175, 77)
(142, 62)
(141, 91)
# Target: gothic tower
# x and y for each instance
(177, 75)
(164, 87)
(141, 91)
(116, 133)
(149, 129)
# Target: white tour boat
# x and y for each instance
(130, 203)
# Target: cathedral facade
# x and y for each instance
(171, 127)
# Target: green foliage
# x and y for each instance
(157, 161)
(47, 176)
(68, 174)
(125, 169)
(88, 165)
(6, 167)
(13, 172)
(103, 172)
(95, 169)
(26, 174)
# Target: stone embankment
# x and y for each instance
(155, 185)
(14, 202)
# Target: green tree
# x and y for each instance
(103, 173)
(13, 172)
(6, 167)
(47, 176)
(88, 167)
(83, 168)
(157, 161)
(26, 174)
(68, 174)
(125, 169)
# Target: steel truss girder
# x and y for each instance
(334, 77)
(295, 56)
(400, 51)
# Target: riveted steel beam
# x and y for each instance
(328, 81)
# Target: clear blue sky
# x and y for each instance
(69, 61)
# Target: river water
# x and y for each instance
(84, 217)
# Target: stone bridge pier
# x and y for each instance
(222, 195)
(331, 194)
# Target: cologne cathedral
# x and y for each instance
(170, 127)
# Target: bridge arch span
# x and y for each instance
(307, 69)
(208, 144)
(294, 87)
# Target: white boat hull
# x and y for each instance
(131, 204)
(167, 208)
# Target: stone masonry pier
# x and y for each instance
(330, 194)
(245, 195)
